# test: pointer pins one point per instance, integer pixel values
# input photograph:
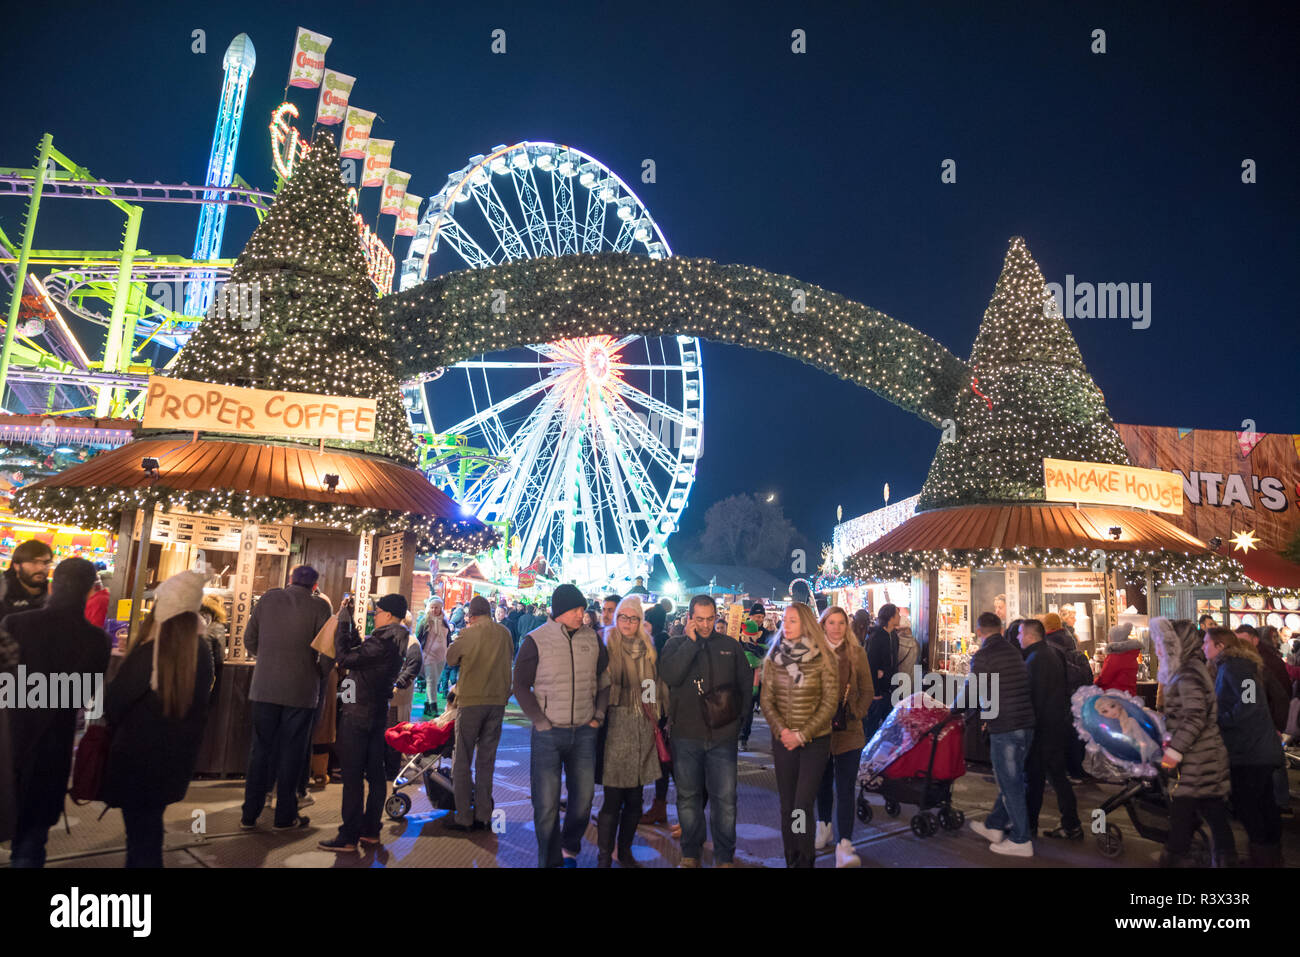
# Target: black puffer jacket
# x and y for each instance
(1048, 689)
(1246, 726)
(1191, 711)
(1011, 706)
(372, 667)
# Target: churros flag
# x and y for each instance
(394, 189)
(379, 156)
(308, 58)
(409, 217)
(356, 132)
(333, 102)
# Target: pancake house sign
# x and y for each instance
(1097, 484)
(182, 405)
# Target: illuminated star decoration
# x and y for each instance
(1244, 541)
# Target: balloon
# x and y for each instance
(1118, 727)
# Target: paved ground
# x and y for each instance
(421, 840)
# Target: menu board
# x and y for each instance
(954, 625)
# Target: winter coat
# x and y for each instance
(1191, 712)
(97, 607)
(882, 652)
(560, 677)
(280, 631)
(434, 635)
(684, 667)
(14, 598)
(861, 691)
(1278, 682)
(1048, 689)
(1246, 725)
(152, 757)
(806, 707)
(908, 649)
(1012, 701)
(1120, 669)
(1061, 639)
(372, 667)
(630, 758)
(53, 639)
(8, 797)
(482, 652)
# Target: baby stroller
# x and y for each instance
(427, 744)
(1146, 799)
(914, 759)
(1124, 741)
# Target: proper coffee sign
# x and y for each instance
(181, 405)
(1099, 484)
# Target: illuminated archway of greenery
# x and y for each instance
(473, 311)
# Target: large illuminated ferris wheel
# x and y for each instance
(595, 440)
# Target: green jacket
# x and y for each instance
(483, 651)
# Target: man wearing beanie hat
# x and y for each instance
(562, 685)
(284, 692)
(25, 582)
(54, 639)
(373, 668)
(482, 651)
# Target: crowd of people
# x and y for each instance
(1225, 697)
(618, 694)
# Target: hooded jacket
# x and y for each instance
(1119, 670)
(1246, 725)
(15, 598)
(1191, 711)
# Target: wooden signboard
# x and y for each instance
(1065, 481)
(242, 599)
(201, 406)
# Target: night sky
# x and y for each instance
(1122, 167)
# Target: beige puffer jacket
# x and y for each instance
(806, 708)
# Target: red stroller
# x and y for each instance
(914, 759)
(426, 744)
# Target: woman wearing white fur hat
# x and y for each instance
(157, 707)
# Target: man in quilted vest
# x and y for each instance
(563, 688)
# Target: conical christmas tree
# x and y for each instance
(1029, 398)
(317, 327)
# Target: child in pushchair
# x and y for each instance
(914, 759)
(426, 744)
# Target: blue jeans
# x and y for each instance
(1010, 812)
(574, 750)
(698, 765)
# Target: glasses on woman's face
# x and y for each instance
(629, 620)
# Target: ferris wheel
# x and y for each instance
(595, 440)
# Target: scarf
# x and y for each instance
(790, 655)
(630, 668)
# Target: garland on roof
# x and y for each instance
(103, 508)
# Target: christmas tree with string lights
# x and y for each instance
(1029, 398)
(317, 327)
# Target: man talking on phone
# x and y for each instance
(710, 684)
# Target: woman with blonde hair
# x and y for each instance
(637, 699)
(853, 696)
(157, 706)
(800, 694)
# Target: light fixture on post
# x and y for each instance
(1115, 532)
(150, 466)
(331, 482)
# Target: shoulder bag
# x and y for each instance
(720, 706)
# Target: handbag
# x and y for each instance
(719, 706)
(661, 740)
(841, 720)
(90, 765)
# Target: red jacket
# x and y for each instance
(97, 607)
(1119, 671)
